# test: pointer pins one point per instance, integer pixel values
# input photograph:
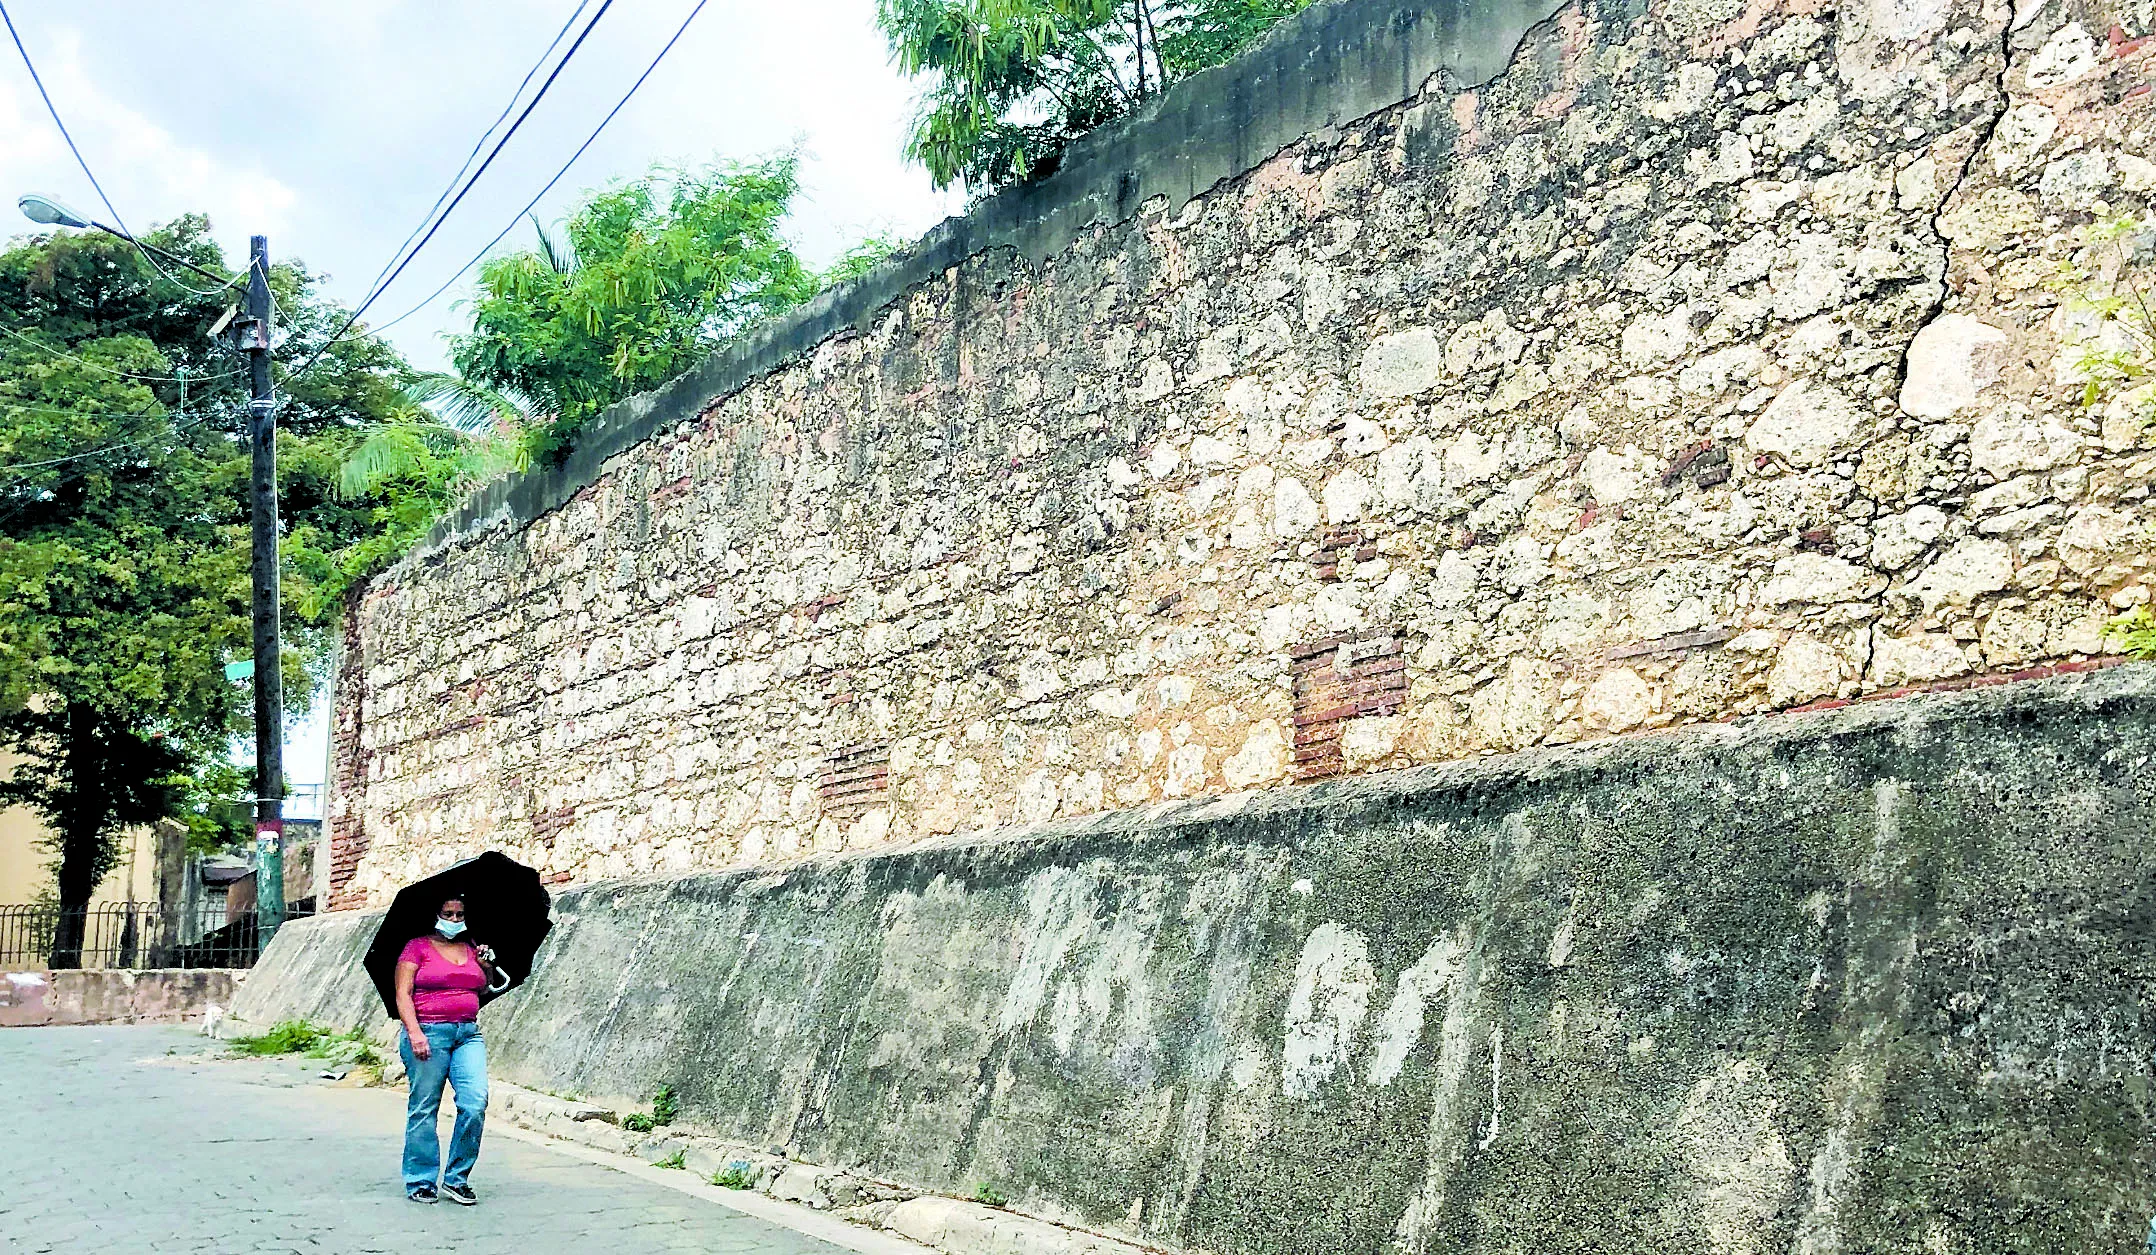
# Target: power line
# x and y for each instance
(478, 144)
(62, 411)
(90, 453)
(558, 175)
(469, 184)
(41, 346)
(79, 160)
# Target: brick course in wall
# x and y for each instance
(855, 781)
(345, 810)
(1695, 366)
(1338, 683)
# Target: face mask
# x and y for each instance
(449, 927)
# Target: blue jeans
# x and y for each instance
(459, 1056)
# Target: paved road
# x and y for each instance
(127, 1140)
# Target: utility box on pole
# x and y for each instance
(269, 674)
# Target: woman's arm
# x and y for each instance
(406, 971)
(485, 955)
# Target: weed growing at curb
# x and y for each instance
(298, 1036)
(664, 1107)
(675, 1160)
(288, 1038)
(989, 1194)
(735, 1177)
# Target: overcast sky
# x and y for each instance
(332, 126)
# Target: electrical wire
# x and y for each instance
(478, 144)
(469, 184)
(89, 453)
(80, 161)
(558, 175)
(41, 346)
(62, 411)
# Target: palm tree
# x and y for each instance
(450, 438)
(453, 436)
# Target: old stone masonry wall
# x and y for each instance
(1713, 357)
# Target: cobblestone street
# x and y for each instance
(135, 1139)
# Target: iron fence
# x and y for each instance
(120, 935)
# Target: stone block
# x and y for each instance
(1403, 364)
(593, 1133)
(965, 1228)
(2009, 441)
(1915, 659)
(1807, 423)
(1805, 668)
(802, 1183)
(1970, 569)
(663, 1147)
(1951, 362)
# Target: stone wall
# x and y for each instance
(1871, 979)
(1703, 358)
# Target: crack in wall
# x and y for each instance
(2002, 104)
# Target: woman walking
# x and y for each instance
(439, 979)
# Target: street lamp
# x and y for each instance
(47, 212)
(253, 336)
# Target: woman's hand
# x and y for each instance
(407, 972)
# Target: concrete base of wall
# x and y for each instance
(115, 996)
(1865, 979)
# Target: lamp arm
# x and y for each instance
(174, 258)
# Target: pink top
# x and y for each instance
(443, 992)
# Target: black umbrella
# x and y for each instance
(505, 906)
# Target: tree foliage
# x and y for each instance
(642, 282)
(449, 437)
(647, 278)
(124, 582)
(1012, 82)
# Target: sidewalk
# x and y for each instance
(132, 1139)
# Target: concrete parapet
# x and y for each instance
(1864, 978)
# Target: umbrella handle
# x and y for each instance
(500, 981)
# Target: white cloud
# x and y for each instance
(338, 128)
(150, 174)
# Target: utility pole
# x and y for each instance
(269, 676)
(252, 335)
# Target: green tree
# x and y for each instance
(860, 259)
(647, 279)
(123, 530)
(450, 436)
(1013, 82)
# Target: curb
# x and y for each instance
(862, 1214)
(823, 1226)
